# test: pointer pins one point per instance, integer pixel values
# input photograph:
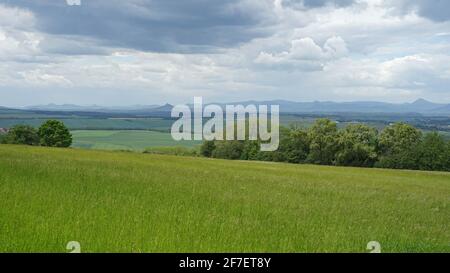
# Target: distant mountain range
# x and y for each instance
(90, 108)
(420, 106)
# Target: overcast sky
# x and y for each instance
(119, 52)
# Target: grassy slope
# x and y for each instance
(112, 201)
(125, 140)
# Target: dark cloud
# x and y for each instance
(152, 25)
(316, 3)
(319, 3)
(436, 10)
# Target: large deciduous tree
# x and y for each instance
(357, 146)
(397, 145)
(54, 133)
(323, 142)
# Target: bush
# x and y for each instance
(251, 150)
(54, 133)
(207, 148)
(229, 149)
(22, 134)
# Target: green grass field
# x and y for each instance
(125, 140)
(83, 123)
(130, 202)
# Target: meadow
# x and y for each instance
(84, 123)
(134, 202)
(125, 140)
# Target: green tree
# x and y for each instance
(22, 134)
(433, 153)
(229, 149)
(3, 138)
(54, 133)
(323, 142)
(298, 146)
(251, 150)
(294, 146)
(447, 155)
(207, 148)
(397, 146)
(281, 154)
(357, 146)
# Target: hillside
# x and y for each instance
(129, 202)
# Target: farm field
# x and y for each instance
(82, 123)
(132, 202)
(125, 140)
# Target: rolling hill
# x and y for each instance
(127, 202)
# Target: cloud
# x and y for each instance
(38, 78)
(316, 3)
(155, 25)
(437, 10)
(139, 51)
(305, 54)
(418, 72)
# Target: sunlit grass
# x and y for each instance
(125, 140)
(127, 202)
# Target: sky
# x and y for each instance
(157, 51)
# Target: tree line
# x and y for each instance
(398, 146)
(52, 133)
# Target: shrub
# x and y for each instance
(207, 148)
(229, 149)
(22, 134)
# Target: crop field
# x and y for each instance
(81, 123)
(125, 140)
(133, 202)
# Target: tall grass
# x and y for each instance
(127, 202)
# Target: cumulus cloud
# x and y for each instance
(418, 72)
(305, 54)
(169, 51)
